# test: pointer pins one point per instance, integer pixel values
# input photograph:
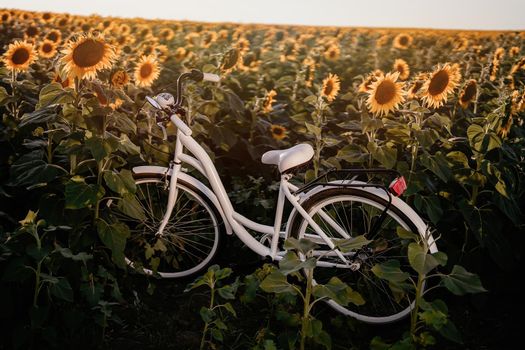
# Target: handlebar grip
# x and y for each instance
(214, 78)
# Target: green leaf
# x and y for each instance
(385, 155)
(54, 93)
(207, 315)
(438, 164)
(422, 261)
(82, 256)
(130, 206)
(216, 334)
(302, 245)
(30, 169)
(461, 282)
(353, 243)
(230, 309)
(315, 130)
(62, 289)
(42, 115)
(390, 270)
(80, 195)
(227, 292)
(99, 147)
(114, 237)
(291, 263)
(120, 182)
(276, 283)
(339, 292)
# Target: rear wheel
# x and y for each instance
(356, 212)
(188, 243)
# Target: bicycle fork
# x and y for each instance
(174, 169)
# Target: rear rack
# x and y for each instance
(345, 179)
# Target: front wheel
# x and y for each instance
(354, 212)
(188, 243)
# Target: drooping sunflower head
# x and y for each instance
(146, 71)
(402, 67)
(47, 49)
(309, 65)
(370, 78)
(268, 101)
(279, 132)
(180, 53)
(402, 41)
(468, 94)
(87, 55)
(119, 79)
(167, 34)
(441, 83)
(385, 94)
(416, 86)
(331, 87)
(19, 56)
(231, 59)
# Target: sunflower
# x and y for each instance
(309, 69)
(514, 51)
(385, 94)
(167, 34)
(468, 94)
(331, 86)
(47, 17)
(243, 45)
(119, 79)
(332, 53)
(278, 132)
(87, 55)
(5, 16)
(54, 35)
(402, 67)
(442, 82)
(180, 53)
(367, 82)
(402, 41)
(19, 56)
(47, 49)
(268, 101)
(31, 32)
(416, 85)
(231, 59)
(147, 71)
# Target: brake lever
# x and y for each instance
(164, 133)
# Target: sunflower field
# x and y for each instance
(444, 108)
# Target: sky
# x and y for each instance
(441, 14)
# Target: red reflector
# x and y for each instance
(398, 186)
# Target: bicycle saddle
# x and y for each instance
(285, 159)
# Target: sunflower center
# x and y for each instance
(53, 36)
(385, 92)
(278, 131)
(329, 87)
(88, 53)
(438, 83)
(32, 31)
(20, 56)
(47, 48)
(401, 69)
(146, 70)
(469, 93)
(403, 40)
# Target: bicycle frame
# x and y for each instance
(200, 160)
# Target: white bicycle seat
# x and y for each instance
(286, 159)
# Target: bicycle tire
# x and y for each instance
(187, 246)
(374, 310)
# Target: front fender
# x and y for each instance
(151, 169)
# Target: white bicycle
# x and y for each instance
(183, 218)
